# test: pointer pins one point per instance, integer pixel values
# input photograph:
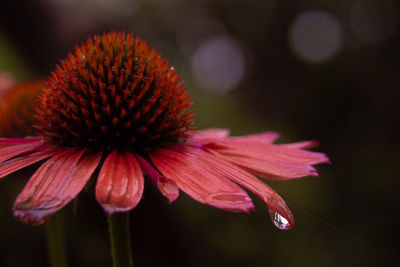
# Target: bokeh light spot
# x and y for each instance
(218, 64)
(373, 21)
(315, 36)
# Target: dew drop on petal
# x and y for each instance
(280, 221)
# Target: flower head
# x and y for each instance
(116, 105)
(114, 92)
(17, 107)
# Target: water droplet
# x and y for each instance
(281, 222)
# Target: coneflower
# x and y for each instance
(115, 104)
(17, 106)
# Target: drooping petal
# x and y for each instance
(120, 183)
(296, 154)
(10, 150)
(266, 137)
(53, 185)
(208, 134)
(166, 185)
(15, 164)
(200, 181)
(302, 145)
(268, 160)
(270, 168)
(244, 178)
(272, 151)
(215, 136)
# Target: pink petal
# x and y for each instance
(257, 150)
(52, 186)
(208, 135)
(270, 161)
(297, 155)
(302, 145)
(20, 162)
(271, 168)
(244, 178)
(11, 150)
(200, 181)
(166, 186)
(266, 137)
(120, 183)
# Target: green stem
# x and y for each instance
(120, 239)
(55, 234)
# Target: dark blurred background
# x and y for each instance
(314, 69)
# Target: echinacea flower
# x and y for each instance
(116, 105)
(17, 107)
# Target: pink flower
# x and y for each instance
(117, 106)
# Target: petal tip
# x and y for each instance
(327, 160)
(312, 143)
(168, 188)
(111, 209)
(32, 217)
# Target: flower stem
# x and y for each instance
(55, 234)
(120, 239)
